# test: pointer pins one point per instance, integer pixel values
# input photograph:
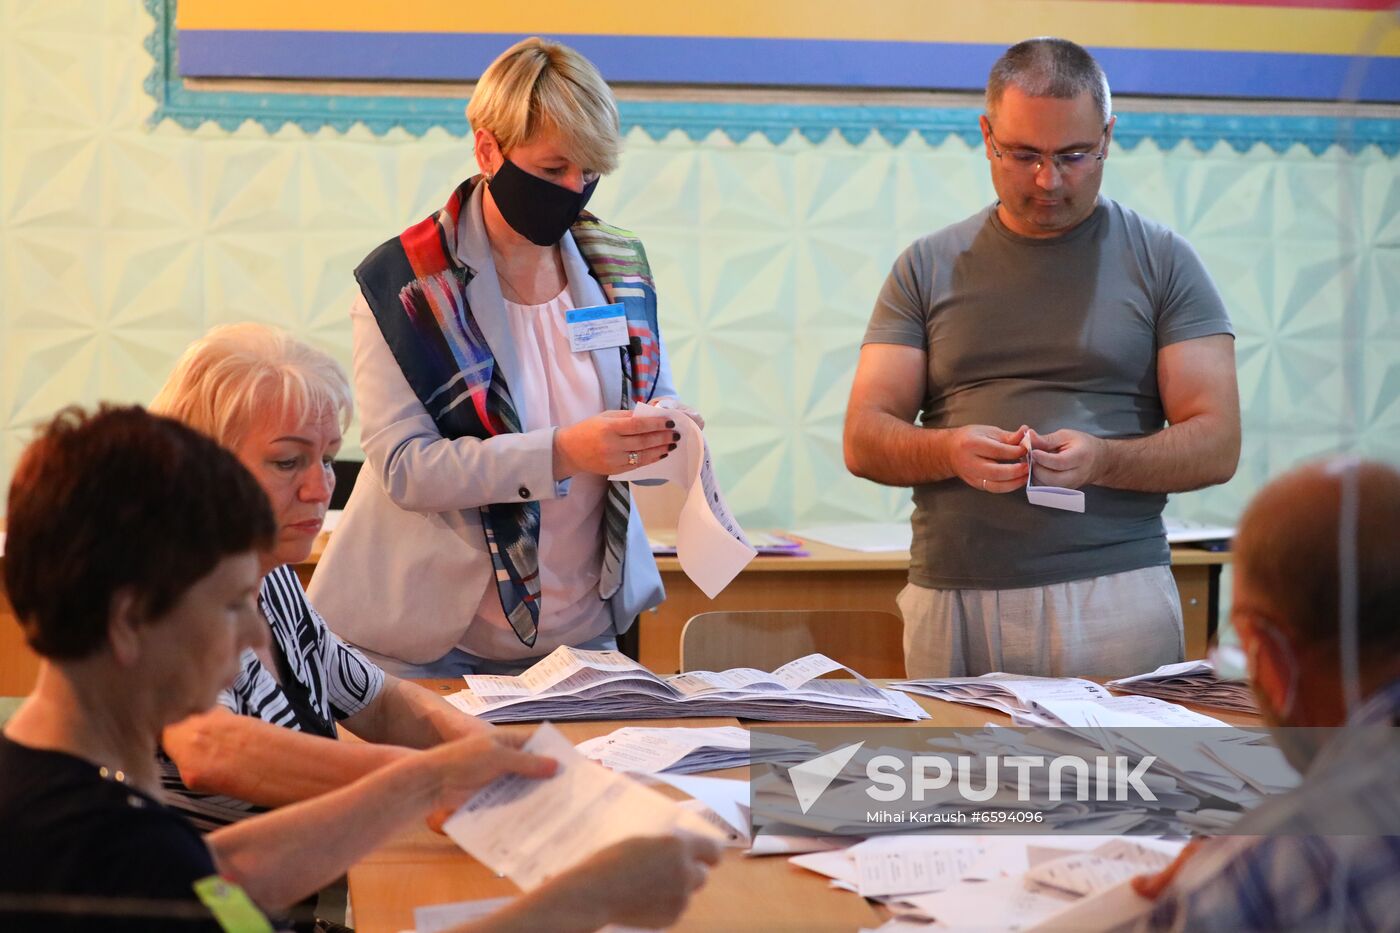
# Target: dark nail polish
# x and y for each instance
(664, 456)
(675, 436)
(672, 447)
(670, 424)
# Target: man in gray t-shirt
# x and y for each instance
(1061, 321)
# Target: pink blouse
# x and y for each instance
(559, 387)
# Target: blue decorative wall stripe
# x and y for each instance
(419, 56)
(776, 122)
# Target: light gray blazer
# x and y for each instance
(407, 567)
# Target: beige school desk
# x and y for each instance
(831, 578)
(419, 867)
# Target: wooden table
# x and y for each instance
(835, 578)
(830, 578)
(419, 867)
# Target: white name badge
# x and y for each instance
(597, 328)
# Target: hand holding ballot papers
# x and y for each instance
(710, 544)
(531, 830)
(586, 840)
(1051, 497)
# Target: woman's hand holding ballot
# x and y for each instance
(612, 442)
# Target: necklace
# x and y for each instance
(513, 292)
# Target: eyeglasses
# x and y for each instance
(1029, 161)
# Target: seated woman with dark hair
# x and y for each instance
(138, 588)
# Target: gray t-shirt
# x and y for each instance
(1053, 333)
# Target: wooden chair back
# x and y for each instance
(868, 641)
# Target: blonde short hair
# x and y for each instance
(237, 373)
(538, 86)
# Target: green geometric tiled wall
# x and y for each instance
(120, 243)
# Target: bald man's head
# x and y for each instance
(1286, 552)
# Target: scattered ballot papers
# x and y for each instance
(1190, 682)
(1084, 873)
(765, 543)
(680, 750)
(1068, 886)
(571, 683)
(710, 545)
(1079, 767)
(1114, 712)
(531, 830)
(1007, 693)
(1045, 894)
(721, 802)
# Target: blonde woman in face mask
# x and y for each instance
(499, 346)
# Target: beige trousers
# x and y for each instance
(1112, 626)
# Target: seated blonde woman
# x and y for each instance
(132, 565)
(280, 406)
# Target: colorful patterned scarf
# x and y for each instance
(417, 288)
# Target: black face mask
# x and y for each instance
(538, 210)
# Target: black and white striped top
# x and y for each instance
(324, 680)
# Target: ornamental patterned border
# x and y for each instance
(775, 122)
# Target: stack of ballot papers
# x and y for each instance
(1190, 682)
(869, 537)
(681, 750)
(766, 543)
(1006, 693)
(1113, 712)
(571, 683)
(531, 830)
(1180, 531)
(1202, 773)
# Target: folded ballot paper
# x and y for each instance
(531, 830)
(681, 750)
(1190, 682)
(571, 683)
(710, 545)
(1052, 497)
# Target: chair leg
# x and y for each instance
(630, 641)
